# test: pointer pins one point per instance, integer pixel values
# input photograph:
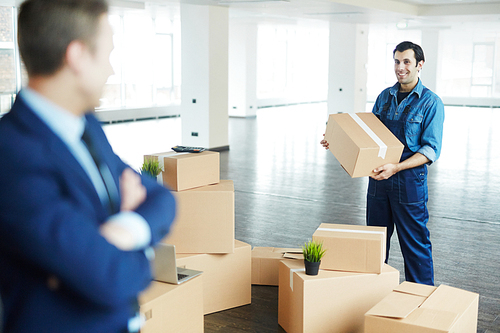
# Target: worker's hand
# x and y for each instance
(132, 191)
(385, 171)
(324, 143)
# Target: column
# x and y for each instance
(347, 74)
(204, 48)
(430, 45)
(242, 69)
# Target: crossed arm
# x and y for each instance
(130, 233)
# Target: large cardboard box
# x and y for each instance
(353, 248)
(419, 308)
(182, 171)
(361, 142)
(332, 301)
(173, 308)
(204, 221)
(265, 263)
(226, 277)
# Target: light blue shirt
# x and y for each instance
(424, 124)
(69, 128)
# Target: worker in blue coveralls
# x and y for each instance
(397, 193)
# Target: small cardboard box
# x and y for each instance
(361, 142)
(173, 308)
(205, 219)
(226, 277)
(353, 248)
(182, 171)
(332, 301)
(265, 263)
(413, 307)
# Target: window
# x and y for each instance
(482, 69)
(145, 57)
(292, 61)
(8, 77)
(468, 60)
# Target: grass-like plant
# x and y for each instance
(313, 251)
(151, 167)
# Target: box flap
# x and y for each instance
(293, 255)
(396, 305)
(277, 253)
(286, 250)
(450, 299)
(433, 319)
(415, 289)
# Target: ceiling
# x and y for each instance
(414, 13)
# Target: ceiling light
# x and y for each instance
(403, 24)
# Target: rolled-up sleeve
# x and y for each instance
(430, 141)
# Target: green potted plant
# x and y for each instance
(313, 252)
(151, 168)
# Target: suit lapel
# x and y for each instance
(58, 150)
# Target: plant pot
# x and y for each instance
(147, 174)
(159, 179)
(312, 268)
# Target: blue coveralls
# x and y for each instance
(401, 202)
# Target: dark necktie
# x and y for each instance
(104, 172)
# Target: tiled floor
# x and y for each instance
(286, 184)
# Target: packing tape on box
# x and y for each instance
(351, 230)
(291, 275)
(382, 146)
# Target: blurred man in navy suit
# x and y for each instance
(76, 223)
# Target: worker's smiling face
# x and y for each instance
(407, 69)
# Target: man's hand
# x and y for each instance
(385, 171)
(132, 191)
(324, 143)
(124, 230)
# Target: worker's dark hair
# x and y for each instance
(47, 27)
(403, 46)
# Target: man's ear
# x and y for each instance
(420, 65)
(76, 54)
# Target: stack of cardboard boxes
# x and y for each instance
(356, 292)
(203, 234)
(352, 279)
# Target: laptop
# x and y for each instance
(165, 268)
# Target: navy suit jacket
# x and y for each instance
(57, 274)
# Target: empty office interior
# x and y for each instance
(256, 80)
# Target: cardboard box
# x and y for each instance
(425, 309)
(226, 277)
(204, 221)
(353, 248)
(265, 263)
(332, 301)
(182, 171)
(361, 142)
(173, 308)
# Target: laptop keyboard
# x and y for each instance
(181, 276)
